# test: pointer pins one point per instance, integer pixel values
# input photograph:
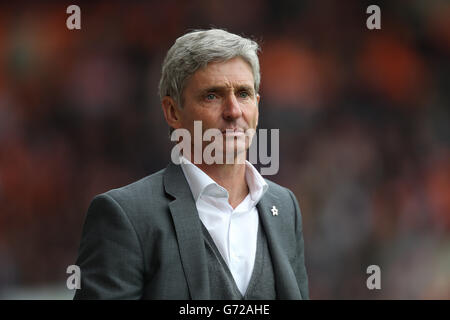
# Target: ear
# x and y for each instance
(171, 112)
(257, 106)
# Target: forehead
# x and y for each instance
(228, 73)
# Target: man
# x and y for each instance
(196, 230)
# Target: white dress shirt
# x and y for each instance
(234, 231)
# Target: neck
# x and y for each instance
(231, 177)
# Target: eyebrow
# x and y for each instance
(224, 88)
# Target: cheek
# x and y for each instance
(207, 117)
(188, 115)
(253, 116)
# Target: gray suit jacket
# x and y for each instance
(144, 241)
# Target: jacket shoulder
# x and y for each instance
(136, 198)
(142, 188)
(278, 190)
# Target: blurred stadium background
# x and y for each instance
(363, 118)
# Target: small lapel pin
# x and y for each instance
(274, 211)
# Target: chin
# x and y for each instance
(235, 152)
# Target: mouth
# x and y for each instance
(233, 131)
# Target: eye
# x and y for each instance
(243, 94)
(210, 96)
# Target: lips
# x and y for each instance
(233, 130)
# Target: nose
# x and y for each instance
(232, 109)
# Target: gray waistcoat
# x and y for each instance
(222, 284)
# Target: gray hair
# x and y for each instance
(195, 50)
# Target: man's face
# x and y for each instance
(222, 96)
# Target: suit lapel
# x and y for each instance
(188, 231)
(285, 280)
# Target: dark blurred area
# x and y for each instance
(363, 118)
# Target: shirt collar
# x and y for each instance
(199, 182)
